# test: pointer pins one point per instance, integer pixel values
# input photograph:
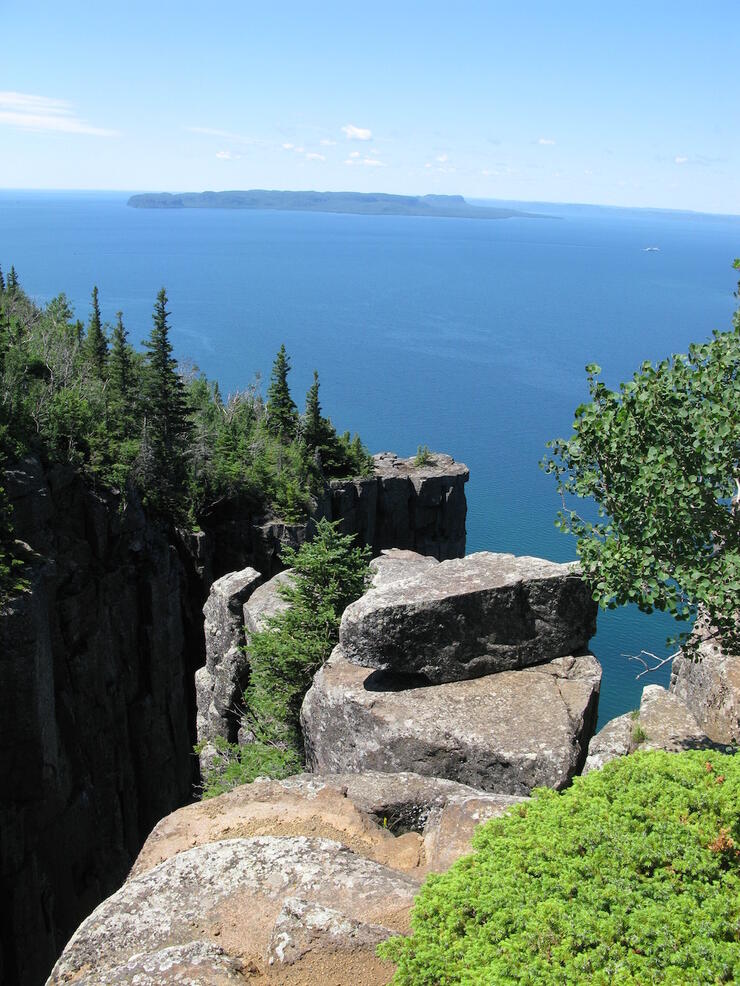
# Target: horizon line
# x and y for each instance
(468, 198)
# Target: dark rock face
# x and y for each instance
(468, 617)
(422, 508)
(96, 707)
(97, 663)
(507, 732)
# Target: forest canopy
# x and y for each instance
(135, 420)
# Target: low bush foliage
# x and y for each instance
(630, 877)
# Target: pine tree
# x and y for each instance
(96, 344)
(121, 379)
(282, 415)
(12, 284)
(2, 282)
(167, 420)
(312, 423)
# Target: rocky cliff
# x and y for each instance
(97, 666)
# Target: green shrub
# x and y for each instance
(631, 876)
(423, 456)
(330, 572)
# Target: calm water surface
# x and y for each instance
(467, 336)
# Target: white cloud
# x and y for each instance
(313, 156)
(355, 154)
(428, 164)
(546, 142)
(327, 143)
(680, 159)
(227, 156)
(442, 158)
(367, 162)
(43, 114)
(288, 147)
(299, 150)
(356, 133)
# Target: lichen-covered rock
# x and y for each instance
(197, 963)
(219, 685)
(303, 805)
(230, 894)
(469, 617)
(506, 732)
(709, 685)
(662, 723)
(302, 927)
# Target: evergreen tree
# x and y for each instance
(312, 422)
(121, 379)
(12, 284)
(2, 282)
(167, 421)
(96, 344)
(282, 415)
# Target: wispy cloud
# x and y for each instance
(442, 158)
(227, 156)
(680, 159)
(356, 133)
(327, 143)
(313, 156)
(546, 142)
(45, 115)
(225, 134)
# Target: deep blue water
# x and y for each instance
(467, 336)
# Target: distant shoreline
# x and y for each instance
(352, 203)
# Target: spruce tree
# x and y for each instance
(167, 420)
(2, 282)
(12, 284)
(282, 415)
(121, 379)
(95, 343)
(312, 425)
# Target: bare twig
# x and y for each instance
(658, 662)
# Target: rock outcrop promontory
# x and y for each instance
(449, 696)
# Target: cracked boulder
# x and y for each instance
(506, 732)
(468, 617)
(239, 898)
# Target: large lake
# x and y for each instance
(467, 336)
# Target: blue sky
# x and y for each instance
(621, 104)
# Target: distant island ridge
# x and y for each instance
(356, 203)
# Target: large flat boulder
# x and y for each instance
(506, 732)
(237, 898)
(469, 617)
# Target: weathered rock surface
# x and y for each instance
(265, 602)
(197, 963)
(220, 683)
(469, 617)
(306, 805)
(506, 732)
(403, 505)
(709, 685)
(662, 723)
(452, 825)
(302, 927)
(230, 894)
